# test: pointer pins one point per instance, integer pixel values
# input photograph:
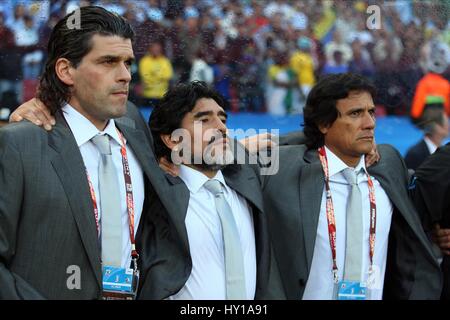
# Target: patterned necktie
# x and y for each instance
(234, 261)
(111, 220)
(354, 222)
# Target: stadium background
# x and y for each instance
(246, 49)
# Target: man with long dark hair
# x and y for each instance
(72, 197)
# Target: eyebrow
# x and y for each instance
(208, 113)
(359, 109)
(115, 58)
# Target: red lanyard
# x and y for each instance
(94, 202)
(331, 217)
(129, 196)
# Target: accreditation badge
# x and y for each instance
(351, 290)
(119, 283)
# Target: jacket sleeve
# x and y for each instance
(292, 138)
(432, 188)
(12, 286)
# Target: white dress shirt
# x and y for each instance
(320, 283)
(83, 131)
(207, 278)
(430, 145)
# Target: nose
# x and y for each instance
(369, 121)
(221, 126)
(124, 73)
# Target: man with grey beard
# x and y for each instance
(221, 229)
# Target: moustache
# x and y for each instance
(217, 137)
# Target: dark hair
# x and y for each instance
(166, 117)
(433, 115)
(320, 108)
(73, 42)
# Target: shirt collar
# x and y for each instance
(195, 179)
(83, 129)
(430, 145)
(336, 165)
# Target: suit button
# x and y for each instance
(302, 282)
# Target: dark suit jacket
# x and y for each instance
(46, 213)
(416, 155)
(432, 188)
(292, 200)
(432, 197)
(167, 263)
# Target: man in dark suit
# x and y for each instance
(53, 220)
(187, 252)
(417, 154)
(339, 121)
(431, 195)
(434, 124)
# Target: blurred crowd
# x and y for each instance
(263, 56)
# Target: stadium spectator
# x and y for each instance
(283, 83)
(302, 64)
(6, 48)
(27, 37)
(338, 44)
(200, 70)
(10, 72)
(155, 71)
(434, 124)
(249, 77)
(257, 20)
(433, 87)
(222, 77)
(336, 65)
(361, 62)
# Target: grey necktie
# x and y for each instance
(354, 222)
(234, 261)
(111, 220)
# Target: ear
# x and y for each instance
(323, 128)
(167, 140)
(64, 71)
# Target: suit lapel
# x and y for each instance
(311, 190)
(424, 148)
(69, 166)
(390, 184)
(176, 205)
(246, 184)
(140, 146)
